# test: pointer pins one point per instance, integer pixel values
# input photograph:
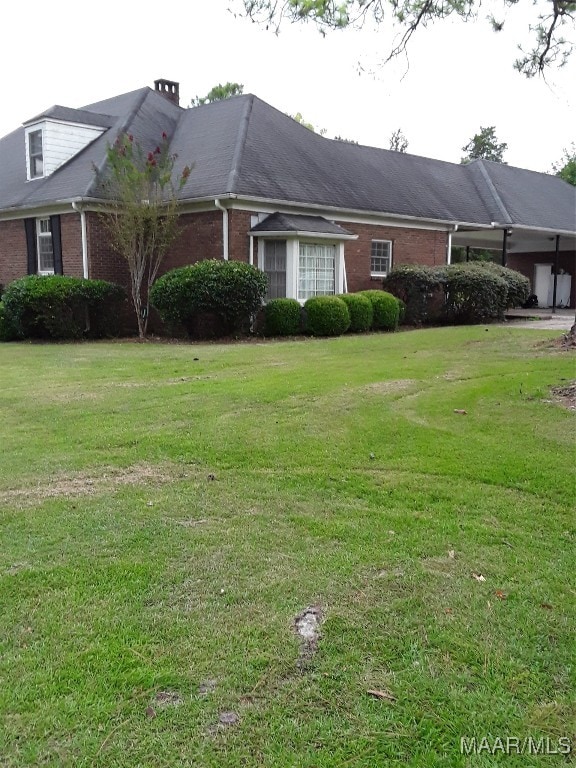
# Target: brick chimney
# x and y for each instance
(169, 89)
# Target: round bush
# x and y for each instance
(230, 290)
(326, 316)
(361, 311)
(421, 289)
(473, 294)
(386, 310)
(282, 317)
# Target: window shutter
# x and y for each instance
(30, 227)
(56, 244)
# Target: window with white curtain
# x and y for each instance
(316, 270)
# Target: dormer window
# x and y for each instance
(35, 154)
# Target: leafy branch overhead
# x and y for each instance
(551, 29)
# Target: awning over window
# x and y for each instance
(283, 224)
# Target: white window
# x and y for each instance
(316, 270)
(35, 154)
(275, 268)
(380, 258)
(45, 247)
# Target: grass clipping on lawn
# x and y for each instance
(353, 551)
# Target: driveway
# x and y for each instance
(540, 319)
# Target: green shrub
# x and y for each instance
(473, 294)
(59, 307)
(282, 317)
(421, 290)
(361, 311)
(326, 316)
(230, 290)
(518, 285)
(401, 311)
(7, 330)
(386, 310)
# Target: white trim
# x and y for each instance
(301, 234)
(334, 213)
(27, 133)
(225, 236)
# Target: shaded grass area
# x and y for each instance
(164, 519)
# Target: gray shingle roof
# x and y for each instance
(283, 222)
(243, 147)
(68, 115)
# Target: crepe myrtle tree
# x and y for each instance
(141, 216)
(551, 27)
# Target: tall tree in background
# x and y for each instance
(398, 142)
(299, 119)
(142, 216)
(484, 145)
(219, 93)
(566, 166)
(552, 27)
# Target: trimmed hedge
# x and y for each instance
(518, 285)
(229, 290)
(282, 317)
(473, 294)
(421, 289)
(361, 311)
(326, 316)
(386, 310)
(7, 331)
(60, 307)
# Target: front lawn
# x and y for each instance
(167, 511)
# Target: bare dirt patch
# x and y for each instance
(386, 387)
(565, 395)
(307, 627)
(85, 484)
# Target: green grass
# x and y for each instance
(163, 519)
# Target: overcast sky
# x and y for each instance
(457, 78)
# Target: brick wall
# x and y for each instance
(71, 230)
(13, 258)
(524, 263)
(238, 238)
(13, 252)
(200, 238)
(103, 262)
(409, 246)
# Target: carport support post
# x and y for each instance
(504, 246)
(556, 260)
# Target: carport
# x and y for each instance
(546, 257)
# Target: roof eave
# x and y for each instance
(302, 233)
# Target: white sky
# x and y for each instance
(460, 77)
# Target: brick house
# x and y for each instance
(317, 215)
